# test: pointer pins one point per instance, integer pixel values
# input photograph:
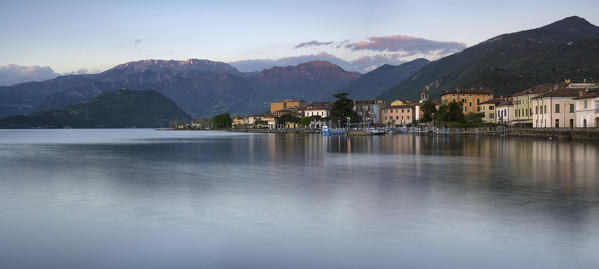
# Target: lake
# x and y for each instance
(142, 198)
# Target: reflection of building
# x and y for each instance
(489, 110)
(369, 110)
(470, 98)
(555, 109)
(286, 104)
(587, 109)
(505, 111)
(399, 114)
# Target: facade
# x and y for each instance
(399, 115)
(369, 110)
(587, 110)
(555, 109)
(286, 104)
(322, 109)
(523, 104)
(489, 110)
(505, 111)
(470, 98)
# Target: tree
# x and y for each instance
(306, 121)
(342, 108)
(451, 112)
(287, 118)
(222, 121)
(428, 110)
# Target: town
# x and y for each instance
(554, 105)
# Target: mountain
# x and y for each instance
(312, 80)
(200, 87)
(508, 63)
(377, 81)
(121, 109)
(13, 74)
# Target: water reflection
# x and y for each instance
(192, 199)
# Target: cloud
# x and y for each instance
(362, 64)
(408, 44)
(14, 74)
(137, 41)
(82, 71)
(312, 43)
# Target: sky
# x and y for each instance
(75, 36)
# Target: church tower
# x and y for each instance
(424, 94)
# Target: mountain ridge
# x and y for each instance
(511, 62)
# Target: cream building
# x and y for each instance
(555, 109)
(587, 110)
(505, 111)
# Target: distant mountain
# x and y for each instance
(13, 74)
(568, 48)
(201, 87)
(377, 81)
(120, 109)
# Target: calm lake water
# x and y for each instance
(162, 199)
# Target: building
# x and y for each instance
(369, 110)
(424, 95)
(286, 104)
(489, 110)
(400, 103)
(555, 109)
(523, 104)
(587, 109)
(322, 109)
(470, 98)
(505, 111)
(399, 115)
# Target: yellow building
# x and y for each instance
(489, 110)
(523, 103)
(286, 104)
(470, 98)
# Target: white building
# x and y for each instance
(322, 109)
(587, 110)
(555, 109)
(505, 111)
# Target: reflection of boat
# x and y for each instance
(375, 131)
(327, 132)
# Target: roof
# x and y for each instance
(539, 89)
(366, 102)
(560, 92)
(587, 94)
(495, 101)
(401, 106)
(469, 91)
(319, 106)
(506, 102)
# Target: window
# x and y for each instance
(530, 111)
(397, 117)
(544, 109)
(402, 111)
(491, 107)
(536, 109)
(408, 117)
(556, 108)
(478, 101)
(585, 104)
(470, 104)
(385, 117)
(571, 108)
(408, 110)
